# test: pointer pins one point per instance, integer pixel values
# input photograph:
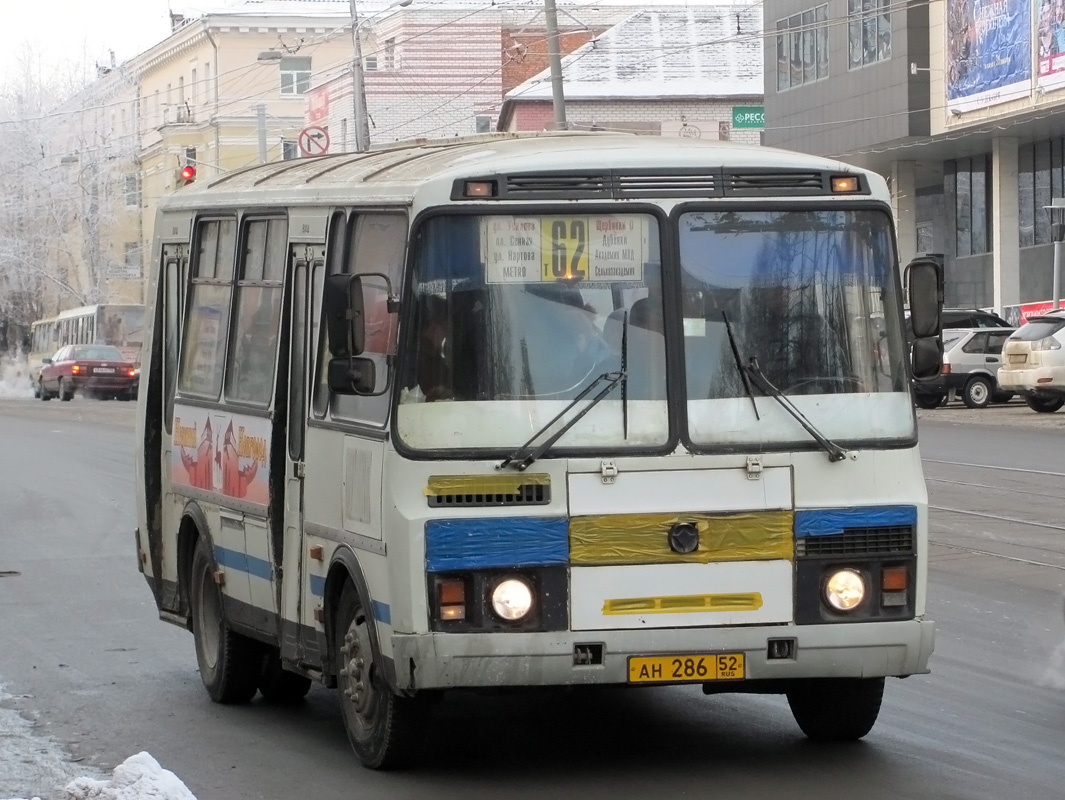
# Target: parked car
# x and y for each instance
(1033, 362)
(972, 318)
(971, 358)
(95, 369)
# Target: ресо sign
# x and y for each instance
(748, 116)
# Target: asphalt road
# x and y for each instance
(84, 656)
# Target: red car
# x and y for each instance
(96, 369)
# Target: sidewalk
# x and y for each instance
(1012, 414)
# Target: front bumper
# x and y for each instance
(841, 650)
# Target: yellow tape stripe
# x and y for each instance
(644, 538)
(483, 484)
(684, 604)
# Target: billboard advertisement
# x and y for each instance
(989, 52)
(1050, 34)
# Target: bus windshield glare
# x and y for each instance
(805, 292)
(515, 315)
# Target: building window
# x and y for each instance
(968, 182)
(484, 123)
(195, 87)
(133, 191)
(868, 32)
(802, 48)
(370, 63)
(390, 55)
(133, 256)
(1040, 174)
(290, 149)
(207, 83)
(295, 75)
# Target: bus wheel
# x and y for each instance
(278, 685)
(382, 727)
(230, 664)
(836, 709)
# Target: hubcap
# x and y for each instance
(208, 620)
(978, 392)
(356, 677)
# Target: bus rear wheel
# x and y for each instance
(836, 709)
(383, 727)
(230, 664)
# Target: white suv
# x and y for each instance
(1033, 362)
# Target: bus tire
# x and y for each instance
(230, 664)
(836, 709)
(383, 727)
(278, 685)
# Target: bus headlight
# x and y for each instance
(845, 590)
(512, 599)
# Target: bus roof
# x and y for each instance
(81, 311)
(395, 173)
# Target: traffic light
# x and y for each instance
(187, 175)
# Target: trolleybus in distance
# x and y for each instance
(117, 324)
(552, 410)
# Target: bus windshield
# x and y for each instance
(805, 292)
(515, 315)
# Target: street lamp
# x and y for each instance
(358, 83)
(1056, 210)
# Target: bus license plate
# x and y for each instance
(690, 668)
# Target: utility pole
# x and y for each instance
(358, 87)
(260, 120)
(554, 57)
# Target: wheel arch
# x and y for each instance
(193, 526)
(343, 568)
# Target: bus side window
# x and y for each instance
(207, 324)
(253, 346)
(376, 243)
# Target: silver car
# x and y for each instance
(971, 358)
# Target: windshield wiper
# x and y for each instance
(835, 452)
(520, 459)
(739, 363)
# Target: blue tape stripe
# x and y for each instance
(495, 542)
(826, 521)
(381, 612)
(317, 585)
(242, 562)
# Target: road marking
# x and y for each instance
(974, 551)
(988, 466)
(996, 516)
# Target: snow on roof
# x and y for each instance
(700, 51)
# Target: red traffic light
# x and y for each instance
(188, 172)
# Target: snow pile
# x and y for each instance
(139, 777)
(15, 377)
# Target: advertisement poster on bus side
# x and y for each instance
(221, 452)
(989, 52)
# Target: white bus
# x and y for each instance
(553, 410)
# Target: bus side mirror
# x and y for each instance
(344, 317)
(924, 277)
(352, 376)
(925, 281)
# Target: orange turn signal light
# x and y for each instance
(451, 599)
(845, 183)
(894, 579)
(76, 368)
(479, 189)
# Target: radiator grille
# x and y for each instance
(858, 541)
(527, 495)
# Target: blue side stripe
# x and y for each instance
(382, 612)
(495, 542)
(242, 562)
(826, 521)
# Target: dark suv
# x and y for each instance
(972, 318)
